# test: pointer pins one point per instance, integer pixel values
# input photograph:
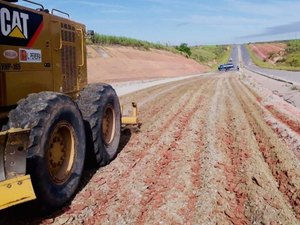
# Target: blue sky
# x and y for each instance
(195, 22)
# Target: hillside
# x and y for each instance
(118, 63)
(283, 55)
(211, 55)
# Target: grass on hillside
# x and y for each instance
(211, 55)
(125, 41)
(290, 62)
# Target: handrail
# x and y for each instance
(35, 3)
(64, 13)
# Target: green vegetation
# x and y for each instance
(184, 48)
(125, 41)
(293, 46)
(290, 60)
(293, 60)
(211, 55)
(293, 54)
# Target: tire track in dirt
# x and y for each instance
(149, 94)
(149, 140)
(286, 135)
(206, 154)
(154, 100)
(184, 150)
(293, 124)
(163, 157)
(256, 195)
(221, 181)
(212, 178)
(286, 114)
(228, 132)
(275, 152)
(153, 199)
(282, 117)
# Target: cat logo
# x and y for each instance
(14, 24)
(19, 27)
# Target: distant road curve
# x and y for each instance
(293, 77)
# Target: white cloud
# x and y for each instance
(277, 30)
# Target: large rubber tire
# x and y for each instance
(56, 149)
(100, 108)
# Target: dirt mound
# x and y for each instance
(117, 63)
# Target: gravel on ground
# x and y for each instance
(212, 149)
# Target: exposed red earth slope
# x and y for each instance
(115, 64)
(263, 50)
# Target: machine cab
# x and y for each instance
(41, 52)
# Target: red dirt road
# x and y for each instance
(211, 150)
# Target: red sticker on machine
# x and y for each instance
(30, 55)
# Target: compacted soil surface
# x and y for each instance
(212, 149)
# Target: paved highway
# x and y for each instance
(293, 77)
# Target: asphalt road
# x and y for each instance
(293, 77)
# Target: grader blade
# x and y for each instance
(13, 153)
(131, 121)
(15, 191)
(2, 148)
(15, 187)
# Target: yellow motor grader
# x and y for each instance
(49, 116)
